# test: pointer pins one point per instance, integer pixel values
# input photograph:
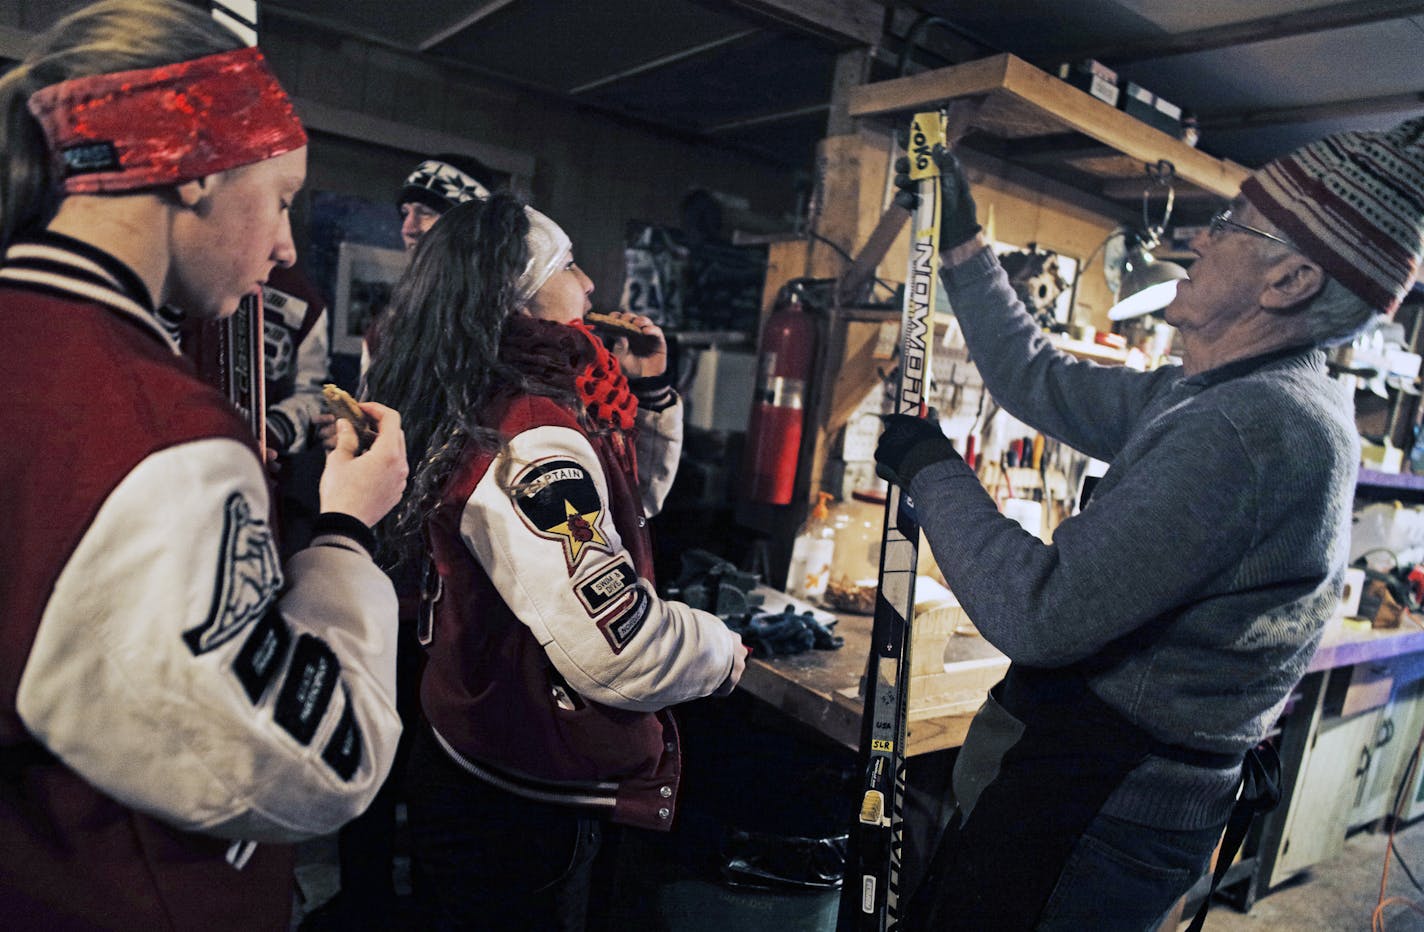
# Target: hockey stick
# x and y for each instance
(229, 355)
(870, 896)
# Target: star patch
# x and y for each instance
(558, 501)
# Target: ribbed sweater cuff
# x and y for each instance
(344, 525)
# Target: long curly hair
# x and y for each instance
(437, 357)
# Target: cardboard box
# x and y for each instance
(1137, 101)
(1168, 117)
(1093, 77)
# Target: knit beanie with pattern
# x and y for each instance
(442, 181)
(1353, 202)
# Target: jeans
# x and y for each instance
(1126, 876)
(484, 859)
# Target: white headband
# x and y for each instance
(548, 247)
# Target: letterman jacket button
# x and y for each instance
(665, 791)
(664, 812)
(671, 746)
(642, 521)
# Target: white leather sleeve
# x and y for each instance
(175, 671)
(306, 401)
(539, 524)
(659, 450)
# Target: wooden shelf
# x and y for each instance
(1095, 352)
(1024, 107)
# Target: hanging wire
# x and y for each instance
(1160, 175)
(1377, 923)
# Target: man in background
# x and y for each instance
(434, 186)
(367, 844)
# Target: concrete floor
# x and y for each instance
(1338, 896)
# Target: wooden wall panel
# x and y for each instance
(593, 173)
(853, 187)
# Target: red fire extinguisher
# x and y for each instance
(788, 350)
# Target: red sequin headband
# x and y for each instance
(166, 125)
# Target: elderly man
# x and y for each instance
(1159, 635)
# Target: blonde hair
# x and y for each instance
(114, 35)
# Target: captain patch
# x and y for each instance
(248, 578)
(607, 583)
(558, 501)
(621, 628)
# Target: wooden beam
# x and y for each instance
(480, 12)
(669, 59)
(1023, 102)
(353, 125)
(852, 70)
(1126, 189)
(1307, 113)
(779, 116)
(1296, 23)
(854, 22)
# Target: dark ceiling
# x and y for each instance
(759, 75)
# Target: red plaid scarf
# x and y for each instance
(569, 355)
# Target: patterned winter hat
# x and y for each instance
(1353, 202)
(442, 181)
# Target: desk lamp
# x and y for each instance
(1146, 284)
(1140, 282)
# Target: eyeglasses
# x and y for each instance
(1222, 219)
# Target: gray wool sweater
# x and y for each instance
(1197, 581)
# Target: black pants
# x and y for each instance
(367, 844)
(482, 858)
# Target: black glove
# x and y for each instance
(957, 224)
(907, 445)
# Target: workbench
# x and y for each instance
(1343, 739)
(820, 688)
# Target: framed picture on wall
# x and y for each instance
(364, 278)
